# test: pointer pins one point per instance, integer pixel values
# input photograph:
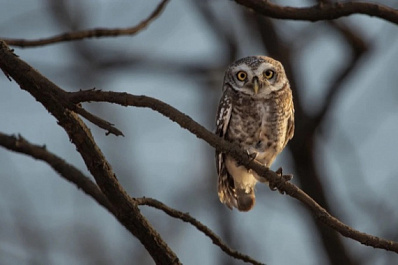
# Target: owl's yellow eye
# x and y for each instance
(268, 74)
(241, 75)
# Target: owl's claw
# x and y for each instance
(274, 186)
(252, 156)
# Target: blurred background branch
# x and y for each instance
(324, 10)
(90, 33)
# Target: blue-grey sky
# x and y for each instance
(46, 220)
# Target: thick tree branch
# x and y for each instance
(220, 144)
(325, 11)
(54, 100)
(72, 174)
(91, 33)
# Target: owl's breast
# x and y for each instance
(259, 128)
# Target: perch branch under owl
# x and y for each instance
(188, 123)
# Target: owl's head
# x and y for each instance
(256, 76)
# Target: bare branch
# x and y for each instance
(72, 174)
(98, 121)
(201, 227)
(53, 99)
(322, 11)
(220, 144)
(90, 33)
(67, 171)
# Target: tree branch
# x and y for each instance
(72, 174)
(67, 171)
(91, 33)
(220, 144)
(323, 11)
(53, 99)
(201, 227)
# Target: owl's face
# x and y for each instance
(256, 76)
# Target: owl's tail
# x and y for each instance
(232, 197)
(245, 201)
(226, 191)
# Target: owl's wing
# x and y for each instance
(226, 191)
(290, 128)
(222, 121)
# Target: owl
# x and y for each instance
(255, 112)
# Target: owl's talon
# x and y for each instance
(287, 177)
(251, 156)
(276, 186)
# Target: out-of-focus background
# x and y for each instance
(344, 154)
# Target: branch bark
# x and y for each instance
(201, 227)
(53, 99)
(72, 174)
(220, 144)
(322, 11)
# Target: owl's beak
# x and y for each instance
(255, 85)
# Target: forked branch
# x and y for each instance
(53, 99)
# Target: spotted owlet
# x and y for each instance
(256, 112)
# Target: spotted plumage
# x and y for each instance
(256, 112)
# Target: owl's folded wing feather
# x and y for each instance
(289, 129)
(222, 121)
(226, 191)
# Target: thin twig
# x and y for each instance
(98, 121)
(90, 33)
(201, 227)
(324, 11)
